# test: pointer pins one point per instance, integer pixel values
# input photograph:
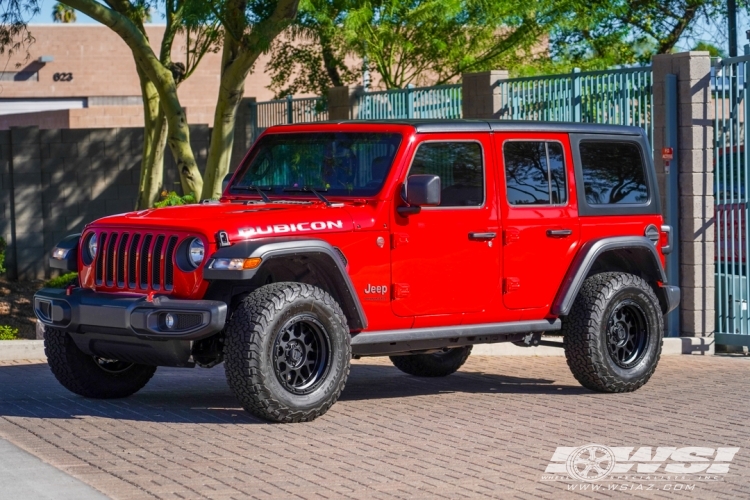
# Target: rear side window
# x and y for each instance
(460, 168)
(535, 173)
(613, 173)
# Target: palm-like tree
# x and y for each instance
(61, 13)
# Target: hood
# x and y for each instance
(240, 221)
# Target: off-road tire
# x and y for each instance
(81, 374)
(251, 340)
(586, 337)
(439, 364)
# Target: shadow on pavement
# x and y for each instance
(203, 396)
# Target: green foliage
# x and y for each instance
(8, 332)
(62, 281)
(61, 13)
(712, 49)
(172, 199)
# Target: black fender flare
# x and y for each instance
(318, 252)
(586, 258)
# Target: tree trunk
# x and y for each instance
(154, 142)
(231, 90)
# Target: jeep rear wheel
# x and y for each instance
(91, 376)
(439, 364)
(613, 334)
(287, 352)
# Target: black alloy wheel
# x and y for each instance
(301, 354)
(627, 332)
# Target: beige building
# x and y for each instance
(83, 76)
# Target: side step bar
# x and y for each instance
(421, 339)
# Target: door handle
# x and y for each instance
(482, 236)
(559, 233)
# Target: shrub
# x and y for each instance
(173, 199)
(8, 332)
(61, 281)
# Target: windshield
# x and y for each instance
(337, 163)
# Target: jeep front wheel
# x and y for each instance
(287, 352)
(613, 334)
(439, 364)
(91, 376)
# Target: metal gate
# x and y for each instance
(730, 91)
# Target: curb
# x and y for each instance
(12, 350)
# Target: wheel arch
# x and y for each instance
(311, 261)
(630, 254)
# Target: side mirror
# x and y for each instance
(225, 181)
(420, 191)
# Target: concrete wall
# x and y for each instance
(53, 182)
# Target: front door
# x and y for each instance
(538, 206)
(446, 259)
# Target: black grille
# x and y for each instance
(136, 260)
(132, 256)
(156, 263)
(121, 260)
(110, 263)
(145, 253)
(186, 321)
(169, 264)
(100, 259)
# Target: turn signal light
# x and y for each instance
(236, 264)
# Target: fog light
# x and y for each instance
(169, 320)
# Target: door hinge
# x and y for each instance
(399, 239)
(510, 235)
(400, 290)
(512, 284)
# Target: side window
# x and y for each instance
(535, 173)
(613, 173)
(460, 168)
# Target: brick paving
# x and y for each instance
(488, 431)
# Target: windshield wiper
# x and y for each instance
(309, 189)
(257, 189)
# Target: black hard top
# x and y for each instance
(445, 126)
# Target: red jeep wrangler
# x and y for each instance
(409, 239)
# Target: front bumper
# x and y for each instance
(86, 311)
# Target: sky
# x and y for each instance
(713, 31)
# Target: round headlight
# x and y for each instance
(196, 252)
(92, 246)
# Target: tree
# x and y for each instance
(248, 30)
(597, 34)
(423, 42)
(61, 13)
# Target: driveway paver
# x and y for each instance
(488, 431)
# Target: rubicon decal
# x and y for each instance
(291, 228)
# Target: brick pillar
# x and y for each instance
(481, 95)
(342, 102)
(696, 203)
(26, 178)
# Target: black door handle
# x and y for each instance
(482, 236)
(559, 233)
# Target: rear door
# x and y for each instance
(538, 205)
(445, 259)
